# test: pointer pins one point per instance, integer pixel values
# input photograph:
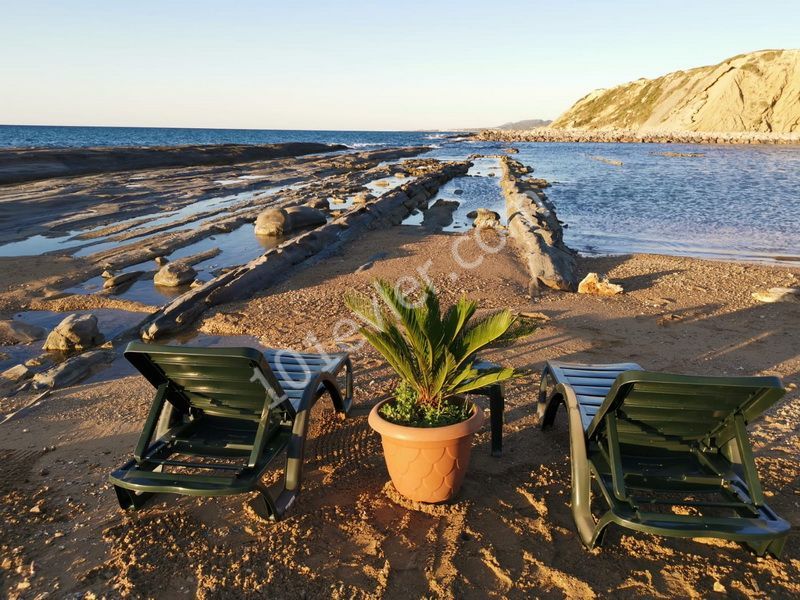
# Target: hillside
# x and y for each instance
(755, 92)
(525, 124)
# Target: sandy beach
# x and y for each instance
(372, 301)
(510, 531)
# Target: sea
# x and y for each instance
(714, 201)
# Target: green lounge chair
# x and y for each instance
(669, 453)
(221, 415)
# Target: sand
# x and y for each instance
(508, 534)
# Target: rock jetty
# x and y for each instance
(534, 228)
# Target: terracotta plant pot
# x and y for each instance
(426, 464)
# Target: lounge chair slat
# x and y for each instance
(590, 400)
(585, 390)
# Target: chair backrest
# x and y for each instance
(226, 382)
(650, 407)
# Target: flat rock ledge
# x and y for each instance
(240, 283)
(534, 228)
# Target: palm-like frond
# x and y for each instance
(433, 353)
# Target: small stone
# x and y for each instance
(718, 587)
(319, 203)
(121, 279)
(362, 198)
(485, 218)
(458, 191)
(598, 285)
(107, 274)
(161, 260)
(17, 373)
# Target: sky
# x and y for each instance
(353, 65)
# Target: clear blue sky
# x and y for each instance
(352, 65)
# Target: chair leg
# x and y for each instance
(496, 409)
(600, 530)
(264, 505)
(549, 399)
(130, 500)
(774, 547)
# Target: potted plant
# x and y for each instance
(427, 426)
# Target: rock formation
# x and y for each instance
(536, 230)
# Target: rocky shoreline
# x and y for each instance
(636, 137)
(259, 274)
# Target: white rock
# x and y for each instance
(778, 294)
(598, 285)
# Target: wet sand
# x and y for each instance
(508, 534)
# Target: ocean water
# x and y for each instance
(31, 136)
(729, 202)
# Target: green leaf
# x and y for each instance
(482, 334)
(484, 379)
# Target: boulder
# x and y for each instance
(598, 285)
(20, 332)
(175, 274)
(485, 218)
(76, 332)
(161, 260)
(273, 221)
(280, 221)
(778, 294)
(121, 279)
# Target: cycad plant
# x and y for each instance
(432, 353)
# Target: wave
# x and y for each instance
(366, 144)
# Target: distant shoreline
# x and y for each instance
(637, 137)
